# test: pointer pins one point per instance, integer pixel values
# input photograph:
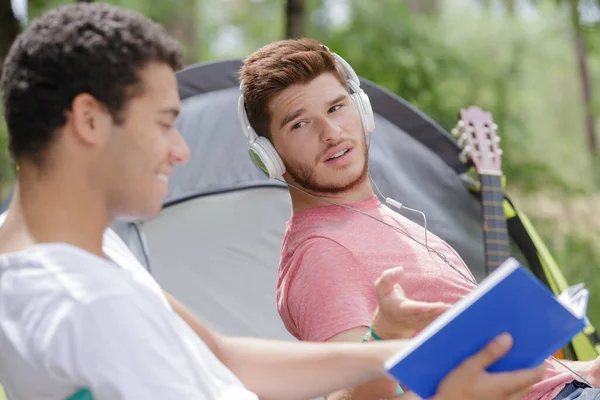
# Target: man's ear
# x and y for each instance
(89, 119)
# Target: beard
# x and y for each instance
(304, 175)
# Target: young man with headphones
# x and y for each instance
(307, 121)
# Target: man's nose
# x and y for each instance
(180, 152)
(331, 131)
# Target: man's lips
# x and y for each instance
(337, 152)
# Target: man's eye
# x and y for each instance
(335, 108)
(298, 125)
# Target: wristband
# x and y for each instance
(365, 338)
(373, 334)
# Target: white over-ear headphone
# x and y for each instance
(261, 150)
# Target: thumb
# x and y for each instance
(388, 281)
(491, 352)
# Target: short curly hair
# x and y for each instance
(272, 68)
(78, 48)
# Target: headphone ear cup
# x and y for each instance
(369, 118)
(265, 157)
(365, 112)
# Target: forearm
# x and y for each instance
(301, 370)
(378, 389)
(290, 370)
(375, 389)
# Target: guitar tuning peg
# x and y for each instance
(454, 132)
(497, 139)
(463, 156)
(500, 152)
(461, 123)
(495, 127)
(462, 140)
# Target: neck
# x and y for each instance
(55, 209)
(302, 201)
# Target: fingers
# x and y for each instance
(491, 352)
(517, 383)
(408, 310)
(386, 282)
(411, 306)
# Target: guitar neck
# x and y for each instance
(495, 232)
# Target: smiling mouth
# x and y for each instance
(163, 178)
(338, 154)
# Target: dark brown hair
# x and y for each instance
(276, 66)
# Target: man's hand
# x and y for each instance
(470, 380)
(592, 373)
(396, 316)
(590, 370)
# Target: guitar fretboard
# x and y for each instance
(495, 232)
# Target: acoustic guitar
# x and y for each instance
(476, 135)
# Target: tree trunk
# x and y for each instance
(423, 6)
(586, 86)
(9, 29)
(295, 13)
(510, 7)
(579, 42)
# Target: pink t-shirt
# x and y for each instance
(331, 257)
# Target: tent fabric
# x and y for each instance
(218, 255)
(418, 166)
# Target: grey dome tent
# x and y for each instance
(216, 243)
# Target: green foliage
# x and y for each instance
(579, 256)
(510, 66)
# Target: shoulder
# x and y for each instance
(319, 249)
(55, 267)
(60, 288)
(317, 264)
(52, 281)
(59, 272)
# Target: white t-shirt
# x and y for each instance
(71, 320)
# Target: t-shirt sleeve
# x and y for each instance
(329, 292)
(119, 352)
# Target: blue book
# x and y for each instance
(512, 300)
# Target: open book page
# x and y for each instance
(575, 299)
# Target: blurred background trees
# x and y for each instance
(534, 64)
